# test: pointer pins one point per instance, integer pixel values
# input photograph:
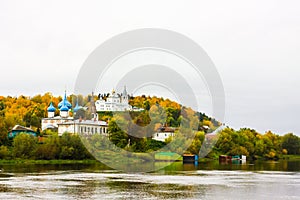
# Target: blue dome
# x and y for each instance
(65, 102)
(77, 107)
(51, 108)
(64, 108)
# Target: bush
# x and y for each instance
(4, 152)
(24, 146)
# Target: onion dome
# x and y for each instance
(51, 108)
(65, 102)
(64, 107)
(77, 107)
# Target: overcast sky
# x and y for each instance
(255, 46)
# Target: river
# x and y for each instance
(207, 180)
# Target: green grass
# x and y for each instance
(27, 161)
(290, 157)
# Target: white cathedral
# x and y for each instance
(114, 102)
(52, 121)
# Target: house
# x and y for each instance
(190, 158)
(239, 157)
(17, 129)
(163, 133)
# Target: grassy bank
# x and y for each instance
(290, 157)
(27, 161)
(91, 161)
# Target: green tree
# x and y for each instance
(2, 109)
(4, 152)
(194, 148)
(146, 105)
(291, 143)
(50, 149)
(3, 132)
(225, 142)
(239, 150)
(259, 148)
(24, 145)
(72, 147)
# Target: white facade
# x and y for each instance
(162, 136)
(114, 102)
(51, 114)
(64, 114)
(52, 122)
(85, 127)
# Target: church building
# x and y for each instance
(114, 102)
(51, 121)
(65, 123)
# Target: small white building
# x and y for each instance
(85, 127)
(114, 102)
(163, 133)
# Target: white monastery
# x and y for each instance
(114, 102)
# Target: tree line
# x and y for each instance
(123, 132)
(52, 147)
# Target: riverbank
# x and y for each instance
(27, 161)
(92, 161)
(290, 157)
(282, 157)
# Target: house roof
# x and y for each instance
(21, 128)
(166, 129)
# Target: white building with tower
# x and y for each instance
(114, 102)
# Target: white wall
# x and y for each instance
(162, 136)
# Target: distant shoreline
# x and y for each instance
(91, 161)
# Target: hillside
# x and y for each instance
(28, 111)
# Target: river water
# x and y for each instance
(260, 180)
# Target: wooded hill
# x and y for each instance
(28, 111)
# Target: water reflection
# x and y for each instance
(208, 180)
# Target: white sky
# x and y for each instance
(255, 46)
